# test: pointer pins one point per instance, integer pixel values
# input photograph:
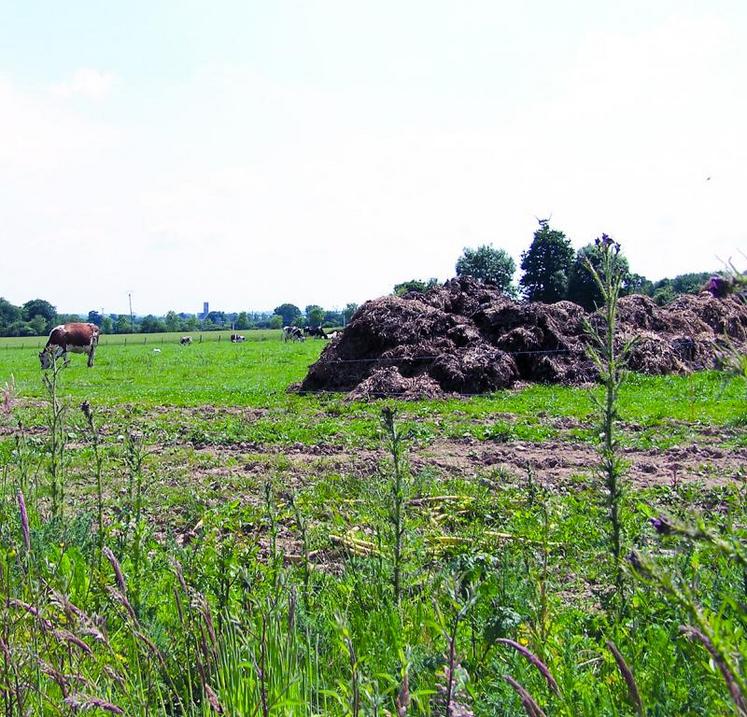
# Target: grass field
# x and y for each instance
(38, 342)
(285, 554)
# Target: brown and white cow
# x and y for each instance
(75, 338)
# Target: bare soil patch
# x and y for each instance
(554, 462)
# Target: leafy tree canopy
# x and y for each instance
(348, 311)
(38, 325)
(488, 264)
(94, 317)
(546, 265)
(39, 307)
(152, 325)
(314, 315)
(415, 285)
(122, 325)
(216, 317)
(289, 312)
(582, 289)
(8, 313)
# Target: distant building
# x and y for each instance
(205, 311)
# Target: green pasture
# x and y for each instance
(134, 381)
(265, 519)
(38, 342)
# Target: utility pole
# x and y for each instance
(132, 318)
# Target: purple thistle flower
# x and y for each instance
(85, 407)
(717, 286)
(661, 525)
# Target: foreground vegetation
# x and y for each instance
(184, 545)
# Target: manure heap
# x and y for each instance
(466, 337)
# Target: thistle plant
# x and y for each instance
(56, 421)
(705, 628)
(134, 457)
(397, 498)
(610, 360)
(85, 408)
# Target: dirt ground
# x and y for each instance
(555, 463)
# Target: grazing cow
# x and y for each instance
(292, 333)
(317, 331)
(156, 351)
(76, 338)
(334, 334)
(185, 340)
(237, 338)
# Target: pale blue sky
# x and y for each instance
(251, 153)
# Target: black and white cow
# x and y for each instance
(316, 331)
(75, 338)
(237, 338)
(185, 340)
(292, 333)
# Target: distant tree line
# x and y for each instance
(554, 271)
(37, 317)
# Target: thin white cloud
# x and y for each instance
(85, 82)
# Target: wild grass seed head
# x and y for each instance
(734, 690)
(633, 693)
(81, 703)
(24, 521)
(534, 660)
(117, 570)
(527, 701)
(213, 700)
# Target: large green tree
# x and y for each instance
(173, 321)
(38, 325)
(152, 325)
(9, 314)
(488, 264)
(546, 265)
(39, 307)
(94, 317)
(289, 312)
(582, 289)
(123, 324)
(348, 311)
(314, 315)
(418, 285)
